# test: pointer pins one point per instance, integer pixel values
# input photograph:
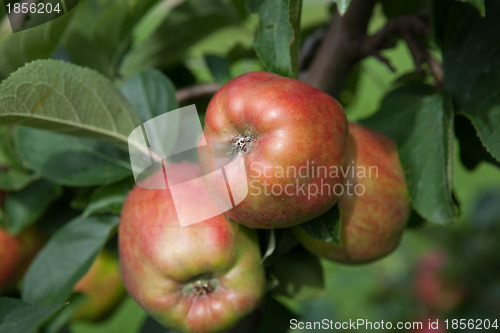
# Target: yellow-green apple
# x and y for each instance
(103, 287)
(203, 277)
(433, 288)
(292, 138)
(375, 205)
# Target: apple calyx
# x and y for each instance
(201, 286)
(242, 143)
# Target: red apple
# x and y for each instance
(103, 287)
(204, 277)
(10, 254)
(432, 287)
(292, 138)
(375, 205)
(16, 253)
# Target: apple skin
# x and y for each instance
(292, 125)
(204, 277)
(432, 288)
(372, 223)
(103, 287)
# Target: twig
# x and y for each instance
(310, 47)
(347, 43)
(191, 93)
(338, 51)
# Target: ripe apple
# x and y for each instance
(204, 277)
(103, 287)
(432, 287)
(292, 138)
(10, 253)
(16, 253)
(375, 205)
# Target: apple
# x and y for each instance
(16, 253)
(432, 287)
(203, 277)
(375, 205)
(292, 138)
(103, 287)
(10, 254)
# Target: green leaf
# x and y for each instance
(69, 160)
(219, 68)
(13, 177)
(342, 5)
(24, 207)
(325, 227)
(66, 258)
(299, 274)
(472, 151)
(63, 97)
(151, 93)
(127, 317)
(277, 40)
(100, 38)
(186, 24)
(109, 199)
(152, 20)
(19, 317)
(421, 123)
(478, 4)
(39, 42)
(63, 317)
(472, 68)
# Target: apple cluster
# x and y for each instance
(297, 147)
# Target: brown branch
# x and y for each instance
(195, 92)
(411, 28)
(347, 43)
(417, 24)
(337, 53)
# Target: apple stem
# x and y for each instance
(201, 285)
(203, 288)
(242, 143)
